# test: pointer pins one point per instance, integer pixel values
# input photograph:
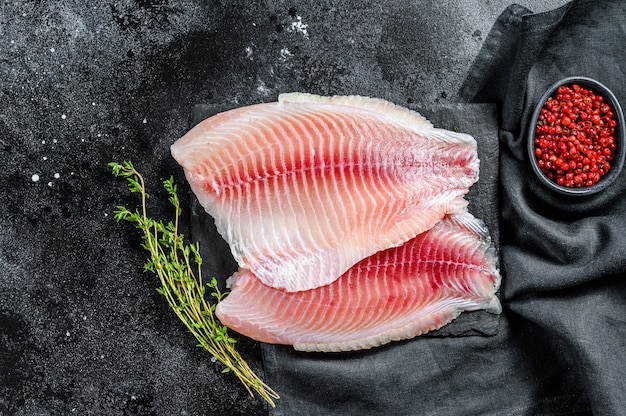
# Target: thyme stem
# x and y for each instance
(172, 261)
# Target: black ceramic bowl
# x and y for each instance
(620, 139)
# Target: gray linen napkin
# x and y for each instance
(563, 257)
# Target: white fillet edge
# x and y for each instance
(412, 120)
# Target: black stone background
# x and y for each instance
(82, 330)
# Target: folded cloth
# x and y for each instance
(563, 257)
(444, 373)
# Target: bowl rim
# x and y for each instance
(620, 136)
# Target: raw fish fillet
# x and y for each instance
(303, 188)
(395, 294)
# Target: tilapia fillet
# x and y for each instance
(303, 188)
(395, 294)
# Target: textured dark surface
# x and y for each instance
(82, 330)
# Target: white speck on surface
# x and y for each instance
(285, 54)
(54, 140)
(249, 52)
(57, 176)
(299, 27)
(52, 50)
(213, 359)
(84, 317)
(35, 178)
(145, 120)
(67, 333)
(82, 140)
(106, 214)
(63, 116)
(50, 184)
(45, 158)
(102, 357)
(43, 142)
(262, 89)
(93, 103)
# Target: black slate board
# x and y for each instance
(289, 372)
(477, 120)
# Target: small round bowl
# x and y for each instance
(620, 138)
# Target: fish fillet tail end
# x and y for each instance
(494, 306)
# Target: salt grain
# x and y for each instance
(57, 176)
(300, 27)
(262, 89)
(145, 120)
(285, 54)
(63, 116)
(35, 178)
(50, 184)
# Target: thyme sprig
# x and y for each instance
(178, 266)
